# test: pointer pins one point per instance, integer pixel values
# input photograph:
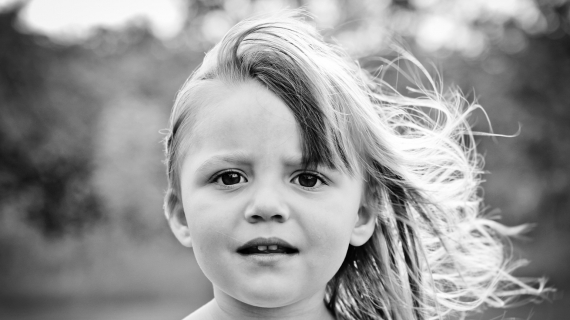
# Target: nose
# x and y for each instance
(267, 203)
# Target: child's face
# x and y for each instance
(242, 180)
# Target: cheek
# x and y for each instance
(329, 247)
(209, 232)
(207, 226)
(329, 232)
(337, 216)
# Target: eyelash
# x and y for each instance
(320, 178)
(228, 186)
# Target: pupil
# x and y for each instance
(307, 180)
(230, 178)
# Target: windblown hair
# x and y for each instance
(433, 254)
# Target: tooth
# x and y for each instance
(261, 248)
(273, 247)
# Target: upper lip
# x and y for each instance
(267, 242)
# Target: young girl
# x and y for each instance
(311, 190)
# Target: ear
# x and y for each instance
(364, 226)
(179, 225)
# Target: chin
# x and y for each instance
(269, 297)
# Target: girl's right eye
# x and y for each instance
(229, 178)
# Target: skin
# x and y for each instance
(249, 131)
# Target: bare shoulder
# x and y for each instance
(203, 313)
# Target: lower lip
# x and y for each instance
(268, 258)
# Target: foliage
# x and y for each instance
(80, 152)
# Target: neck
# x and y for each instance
(225, 307)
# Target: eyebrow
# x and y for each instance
(238, 158)
(241, 158)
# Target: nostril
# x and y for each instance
(254, 218)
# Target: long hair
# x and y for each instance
(433, 254)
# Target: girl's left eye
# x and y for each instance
(229, 178)
(308, 180)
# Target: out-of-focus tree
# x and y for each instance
(81, 105)
(365, 27)
(445, 26)
(45, 147)
(49, 121)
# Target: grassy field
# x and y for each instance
(141, 308)
(108, 275)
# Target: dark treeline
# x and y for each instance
(80, 146)
(44, 160)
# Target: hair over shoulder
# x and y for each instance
(434, 254)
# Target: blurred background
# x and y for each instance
(86, 86)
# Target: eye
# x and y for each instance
(229, 178)
(308, 180)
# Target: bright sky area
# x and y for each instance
(77, 18)
(447, 23)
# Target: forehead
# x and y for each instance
(247, 126)
(236, 111)
(201, 109)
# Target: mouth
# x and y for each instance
(267, 246)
